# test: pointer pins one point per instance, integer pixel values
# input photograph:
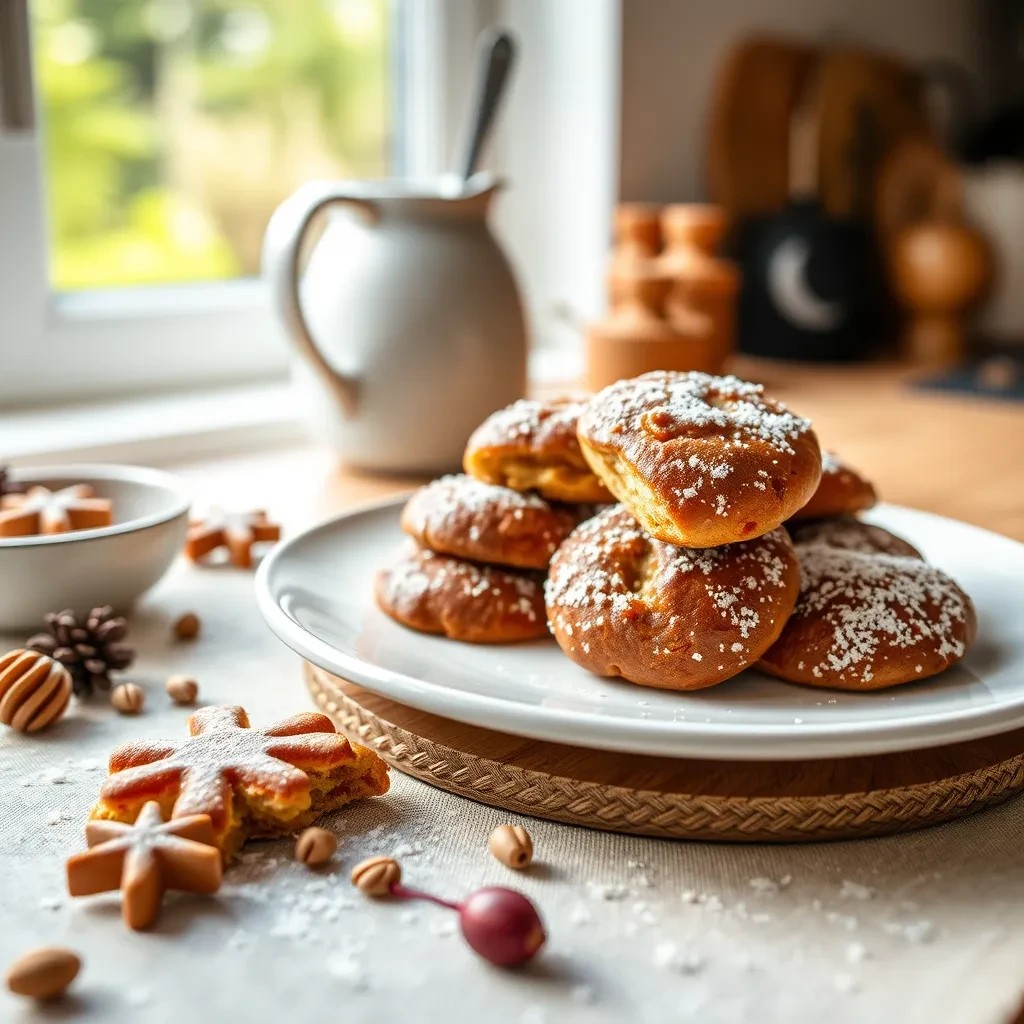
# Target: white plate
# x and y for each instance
(316, 592)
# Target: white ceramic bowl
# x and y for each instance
(111, 565)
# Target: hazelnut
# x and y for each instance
(186, 627)
(512, 845)
(43, 973)
(377, 875)
(182, 689)
(315, 846)
(128, 698)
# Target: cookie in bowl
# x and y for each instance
(622, 603)
(481, 604)
(699, 460)
(532, 446)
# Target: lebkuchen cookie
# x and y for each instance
(699, 460)
(851, 534)
(481, 604)
(532, 446)
(866, 621)
(621, 603)
(841, 491)
(251, 782)
(462, 517)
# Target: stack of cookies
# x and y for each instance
(482, 541)
(734, 543)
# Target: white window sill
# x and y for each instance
(163, 428)
(154, 428)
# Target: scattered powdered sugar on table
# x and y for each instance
(855, 891)
(669, 957)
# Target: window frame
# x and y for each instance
(61, 347)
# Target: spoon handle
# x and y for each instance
(497, 52)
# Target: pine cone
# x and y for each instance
(90, 651)
(7, 486)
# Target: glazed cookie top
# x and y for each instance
(853, 535)
(460, 516)
(688, 448)
(866, 620)
(622, 603)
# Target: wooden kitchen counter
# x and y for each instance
(958, 456)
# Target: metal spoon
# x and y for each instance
(497, 53)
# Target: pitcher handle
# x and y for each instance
(282, 246)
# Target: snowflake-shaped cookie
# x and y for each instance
(251, 782)
(41, 510)
(235, 531)
(146, 859)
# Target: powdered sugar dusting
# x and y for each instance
(667, 405)
(873, 605)
(610, 573)
(503, 590)
(530, 424)
(852, 535)
(223, 752)
(459, 515)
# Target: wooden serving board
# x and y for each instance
(777, 801)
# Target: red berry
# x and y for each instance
(502, 925)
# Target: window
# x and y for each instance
(143, 146)
(172, 128)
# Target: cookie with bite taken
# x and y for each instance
(700, 461)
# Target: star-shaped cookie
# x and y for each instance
(146, 859)
(40, 510)
(236, 531)
(251, 782)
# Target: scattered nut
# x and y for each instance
(512, 845)
(186, 627)
(315, 846)
(377, 875)
(182, 689)
(128, 698)
(43, 973)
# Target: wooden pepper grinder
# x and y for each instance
(638, 241)
(940, 269)
(939, 266)
(637, 336)
(703, 283)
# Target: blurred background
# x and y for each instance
(813, 180)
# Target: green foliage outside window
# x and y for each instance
(174, 127)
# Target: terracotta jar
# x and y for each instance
(637, 228)
(703, 282)
(638, 336)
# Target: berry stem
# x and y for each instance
(403, 892)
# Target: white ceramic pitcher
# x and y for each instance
(407, 317)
